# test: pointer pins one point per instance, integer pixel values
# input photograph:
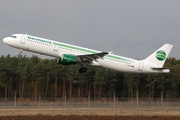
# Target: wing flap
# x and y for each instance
(91, 57)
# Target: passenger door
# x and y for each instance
(23, 39)
(141, 64)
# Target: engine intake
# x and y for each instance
(67, 59)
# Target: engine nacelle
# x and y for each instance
(67, 59)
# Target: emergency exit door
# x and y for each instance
(55, 48)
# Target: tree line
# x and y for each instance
(33, 77)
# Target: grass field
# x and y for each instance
(47, 117)
(89, 114)
(91, 111)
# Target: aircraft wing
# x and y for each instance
(91, 57)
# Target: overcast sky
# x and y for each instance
(131, 28)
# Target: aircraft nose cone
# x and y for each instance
(5, 40)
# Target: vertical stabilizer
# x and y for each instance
(159, 57)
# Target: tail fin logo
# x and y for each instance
(161, 55)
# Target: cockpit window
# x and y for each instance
(14, 36)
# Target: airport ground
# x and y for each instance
(40, 117)
(90, 110)
(89, 114)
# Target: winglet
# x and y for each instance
(159, 57)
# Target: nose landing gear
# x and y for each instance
(19, 55)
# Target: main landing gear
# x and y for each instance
(83, 69)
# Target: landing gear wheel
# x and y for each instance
(19, 56)
(83, 69)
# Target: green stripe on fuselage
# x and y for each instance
(118, 58)
(73, 47)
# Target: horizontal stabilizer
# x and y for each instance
(163, 69)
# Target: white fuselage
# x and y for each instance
(56, 49)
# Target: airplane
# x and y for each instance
(68, 54)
